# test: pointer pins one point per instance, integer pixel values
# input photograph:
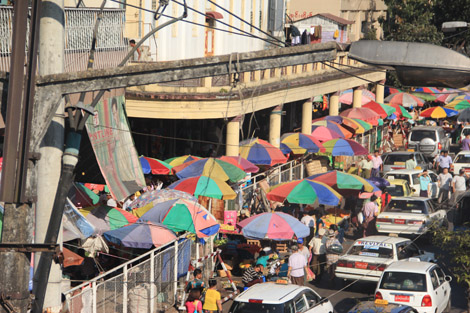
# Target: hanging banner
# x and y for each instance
(114, 148)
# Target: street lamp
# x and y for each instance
(452, 26)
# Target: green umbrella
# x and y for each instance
(424, 96)
(364, 124)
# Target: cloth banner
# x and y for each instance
(114, 148)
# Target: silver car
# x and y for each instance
(396, 160)
(429, 140)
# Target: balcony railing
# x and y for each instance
(79, 24)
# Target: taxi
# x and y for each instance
(282, 297)
(410, 216)
(368, 257)
(421, 285)
(412, 177)
(381, 306)
(399, 188)
(461, 161)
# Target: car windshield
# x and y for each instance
(406, 206)
(396, 190)
(396, 159)
(249, 307)
(419, 135)
(404, 281)
(462, 158)
(372, 249)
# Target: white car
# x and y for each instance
(421, 285)
(277, 297)
(461, 161)
(368, 257)
(409, 216)
(412, 177)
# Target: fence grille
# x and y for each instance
(145, 284)
(79, 23)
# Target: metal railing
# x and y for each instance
(148, 283)
(111, 45)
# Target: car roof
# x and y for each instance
(403, 171)
(271, 292)
(397, 181)
(426, 127)
(371, 307)
(387, 239)
(463, 152)
(411, 198)
(410, 266)
(402, 152)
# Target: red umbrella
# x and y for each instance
(364, 114)
(71, 258)
(382, 110)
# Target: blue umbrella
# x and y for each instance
(379, 182)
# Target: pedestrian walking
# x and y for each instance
(212, 300)
(308, 221)
(197, 282)
(466, 143)
(193, 303)
(297, 267)
(444, 161)
(318, 250)
(369, 211)
(303, 249)
(333, 250)
(459, 186)
(365, 167)
(377, 164)
(444, 181)
(424, 183)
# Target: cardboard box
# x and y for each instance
(222, 273)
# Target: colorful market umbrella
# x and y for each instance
(141, 235)
(400, 111)
(344, 147)
(323, 133)
(105, 218)
(429, 90)
(336, 127)
(379, 182)
(365, 125)
(211, 167)
(154, 166)
(438, 112)
(382, 110)
(175, 161)
(347, 96)
(424, 96)
(458, 104)
(152, 196)
(261, 152)
(244, 164)
(275, 226)
(304, 191)
(299, 143)
(71, 258)
(205, 186)
(183, 215)
(364, 114)
(405, 99)
(82, 196)
(390, 90)
(334, 118)
(343, 183)
(464, 116)
(376, 191)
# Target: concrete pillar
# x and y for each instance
(334, 104)
(233, 137)
(275, 126)
(379, 91)
(357, 97)
(307, 117)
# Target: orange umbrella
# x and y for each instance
(71, 258)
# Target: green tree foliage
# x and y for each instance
(455, 10)
(456, 254)
(411, 20)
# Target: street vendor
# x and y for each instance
(253, 275)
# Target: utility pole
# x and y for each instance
(51, 61)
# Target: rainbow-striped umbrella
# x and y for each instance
(244, 164)
(175, 161)
(211, 167)
(275, 226)
(304, 191)
(154, 166)
(299, 143)
(153, 196)
(343, 183)
(344, 147)
(382, 110)
(458, 104)
(364, 114)
(438, 112)
(404, 99)
(105, 218)
(336, 127)
(205, 186)
(323, 133)
(347, 96)
(261, 152)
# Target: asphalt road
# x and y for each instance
(345, 299)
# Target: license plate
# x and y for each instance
(361, 265)
(402, 298)
(399, 221)
(467, 170)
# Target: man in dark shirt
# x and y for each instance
(253, 275)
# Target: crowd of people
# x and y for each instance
(202, 297)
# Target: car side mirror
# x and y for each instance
(448, 278)
(412, 189)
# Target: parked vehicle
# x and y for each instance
(381, 306)
(368, 257)
(409, 216)
(396, 160)
(429, 140)
(411, 176)
(280, 297)
(421, 285)
(399, 188)
(461, 160)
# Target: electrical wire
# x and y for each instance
(197, 24)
